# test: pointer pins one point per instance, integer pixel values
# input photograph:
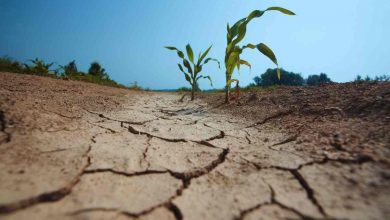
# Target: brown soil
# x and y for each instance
(72, 150)
(350, 117)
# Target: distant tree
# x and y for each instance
(257, 81)
(383, 77)
(367, 78)
(270, 78)
(314, 80)
(70, 68)
(358, 78)
(96, 70)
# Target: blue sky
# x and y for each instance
(341, 38)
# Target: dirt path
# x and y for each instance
(154, 157)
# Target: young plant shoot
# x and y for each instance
(235, 35)
(193, 73)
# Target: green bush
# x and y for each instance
(7, 64)
(315, 80)
(38, 67)
(134, 86)
(269, 78)
(383, 78)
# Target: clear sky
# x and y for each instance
(342, 38)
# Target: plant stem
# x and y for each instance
(193, 92)
(227, 94)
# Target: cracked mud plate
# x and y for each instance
(70, 150)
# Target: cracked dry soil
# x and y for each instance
(72, 150)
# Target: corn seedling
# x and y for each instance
(192, 75)
(39, 67)
(235, 35)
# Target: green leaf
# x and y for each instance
(278, 73)
(179, 53)
(188, 78)
(204, 55)
(212, 59)
(190, 53)
(205, 77)
(232, 62)
(241, 32)
(181, 68)
(264, 49)
(255, 14)
(171, 48)
(228, 39)
(234, 28)
(229, 82)
(197, 69)
(283, 10)
(251, 46)
(187, 65)
(244, 62)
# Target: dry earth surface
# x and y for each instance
(72, 150)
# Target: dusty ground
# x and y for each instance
(71, 150)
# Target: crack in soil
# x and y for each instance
(61, 115)
(53, 196)
(175, 210)
(277, 115)
(168, 204)
(145, 153)
(309, 191)
(220, 136)
(287, 140)
(132, 130)
(105, 128)
(304, 184)
(185, 177)
(116, 120)
(272, 201)
(47, 196)
(188, 176)
(122, 173)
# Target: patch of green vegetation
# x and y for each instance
(381, 78)
(315, 80)
(192, 75)
(7, 64)
(96, 73)
(269, 78)
(235, 35)
(38, 67)
(135, 86)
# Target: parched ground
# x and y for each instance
(72, 150)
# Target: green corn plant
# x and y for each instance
(235, 35)
(192, 75)
(39, 67)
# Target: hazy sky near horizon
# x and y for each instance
(341, 38)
